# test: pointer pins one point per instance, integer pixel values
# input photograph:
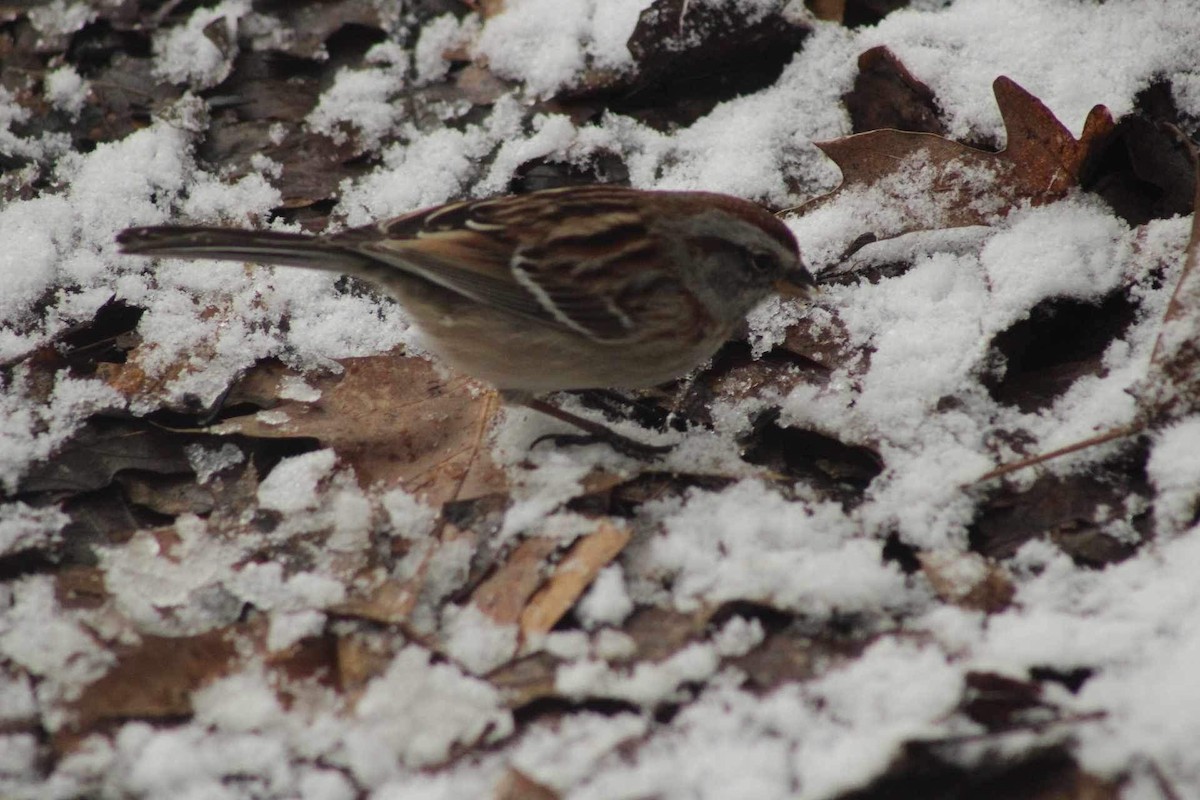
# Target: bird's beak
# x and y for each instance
(793, 291)
(798, 285)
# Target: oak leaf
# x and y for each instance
(921, 181)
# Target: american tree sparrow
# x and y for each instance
(572, 288)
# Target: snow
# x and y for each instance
(606, 602)
(66, 89)
(476, 641)
(364, 99)
(292, 485)
(60, 17)
(806, 741)
(546, 44)
(438, 36)
(799, 556)
(208, 461)
(410, 730)
(414, 713)
(1174, 468)
(23, 527)
(188, 53)
(958, 52)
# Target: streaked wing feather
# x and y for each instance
(562, 257)
(466, 262)
(591, 313)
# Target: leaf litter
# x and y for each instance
(320, 565)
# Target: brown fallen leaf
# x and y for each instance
(101, 450)
(887, 95)
(391, 601)
(968, 580)
(738, 50)
(516, 785)
(999, 702)
(80, 587)
(828, 10)
(362, 656)
(504, 596)
(935, 183)
(132, 380)
(573, 575)
(526, 680)
(397, 423)
(155, 679)
(486, 8)
(479, 85)
(311, 25)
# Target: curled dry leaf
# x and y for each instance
(928, 182)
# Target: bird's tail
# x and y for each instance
(225, 244)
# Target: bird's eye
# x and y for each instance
(762, 263)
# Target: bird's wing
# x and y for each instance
(576, 258)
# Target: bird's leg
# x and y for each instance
(649, 411)
(593, 431)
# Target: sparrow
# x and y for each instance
(582, 287)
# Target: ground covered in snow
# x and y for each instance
(254, 544)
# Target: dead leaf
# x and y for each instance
(156, 678)
(1060, 341)
(826, 341)
(504, 596)
(1073, 511)
(486, 8)
(526, 680)
(388, 602)
(391, 601)
(170, 495)
(573, 575)
(362, 656)
(968, 580)
(397, 423)
(788, 656)
(80, 587)
(310, 25)
(480, 86)
(999, 702)
(838, 470)
(1145, 173)
(516, 785)
(101, 450)
(887, 95)
(691, 56)
(937, 183)
(828, 10)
